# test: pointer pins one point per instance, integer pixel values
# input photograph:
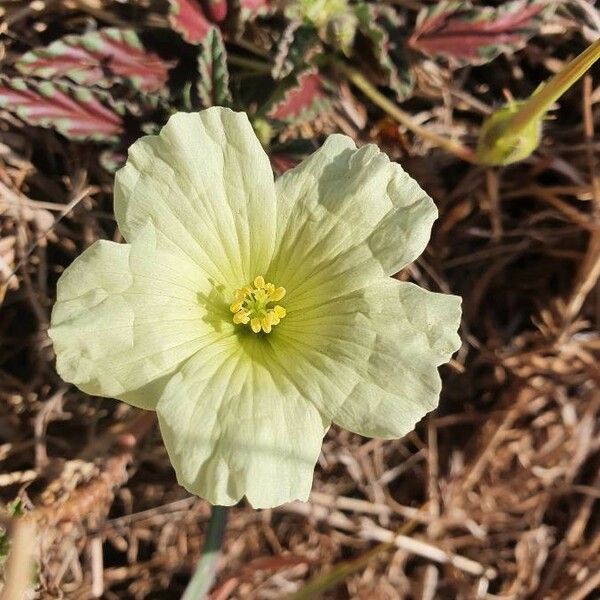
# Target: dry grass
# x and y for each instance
(494, 496)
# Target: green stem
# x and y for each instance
(365, 86)
(249, 63)
(206, 569)
(539, 102)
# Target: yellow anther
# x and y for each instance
(236, 306)
(266, 323)
(261, 296)
(251, 305)
(277, 295)
(241, 317)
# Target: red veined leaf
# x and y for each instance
(216, 9)
(189, 19)
(254, 5)
(74, 111)
(301, 98)
(475, 34)
(99, 58)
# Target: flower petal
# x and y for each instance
(126, 317)
(346, 213)
(207, 186)
(234, 426)
(368, 360)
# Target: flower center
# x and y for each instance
(251, 305)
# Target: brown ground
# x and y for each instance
(495, 495)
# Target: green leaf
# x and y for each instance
(297, 47)
(213, 83)
(382, 27)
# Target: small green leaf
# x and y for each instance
(213, 83)
(15, 508)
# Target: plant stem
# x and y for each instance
(206, 569)
(362, 83)
(539, 102)
(249, 63)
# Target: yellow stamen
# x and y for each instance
(251, 305)
(241, 317)
(277, 294)
(236, 307)
(266, 323)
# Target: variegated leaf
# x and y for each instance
(216, 10)
(297, 46)
(74, 111)
(98, 58)
(252, 8)
(381, 26)
(213, 83)
(189, 19)
(469, 34)
(299, 98)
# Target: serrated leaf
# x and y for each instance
(213, 83)
(300, 98)
(471, 34)
(216, 10)
(380, 25)
(189, 19)
(297, 46)
(98, 58)
(74, 111)
(253, 8)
